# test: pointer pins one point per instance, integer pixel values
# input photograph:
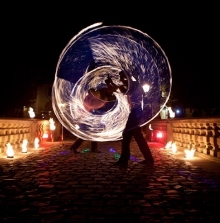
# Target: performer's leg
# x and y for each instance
(142, 144)
(94, 146)
(125, 148)
(76, 145)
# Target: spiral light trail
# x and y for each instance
(93, 55)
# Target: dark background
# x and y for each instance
(34, 34)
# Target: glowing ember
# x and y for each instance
(52, 124)
(31, 112)
(9, 151)
(173, 147)
(24, 146)
(189, 153)
(36, 143)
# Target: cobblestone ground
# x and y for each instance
(56, 185)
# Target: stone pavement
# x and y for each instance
(52, 184)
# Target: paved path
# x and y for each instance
(53, 184)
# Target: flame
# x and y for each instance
(52, 124)
(173, 147)
(45, 135)
(31, 112)
(168, 145)
(36, 143)
(24, 146)
(189, 153)
(9, 151)
(172, 114)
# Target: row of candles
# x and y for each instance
(189, 153)
(10, 150)
(24, 145)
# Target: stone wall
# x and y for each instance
(201, 134)
(14, 131)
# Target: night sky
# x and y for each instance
(34, 34)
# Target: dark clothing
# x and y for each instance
(129, 131)
(141, 141)
(78, 143)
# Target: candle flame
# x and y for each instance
(36, 143)
(171, 113)
(9, 151)
(189, 153)
(168, 145)
(24, 146)
(31, 112)
(52, 124)
(173, 147)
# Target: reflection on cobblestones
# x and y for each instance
(54, 184)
